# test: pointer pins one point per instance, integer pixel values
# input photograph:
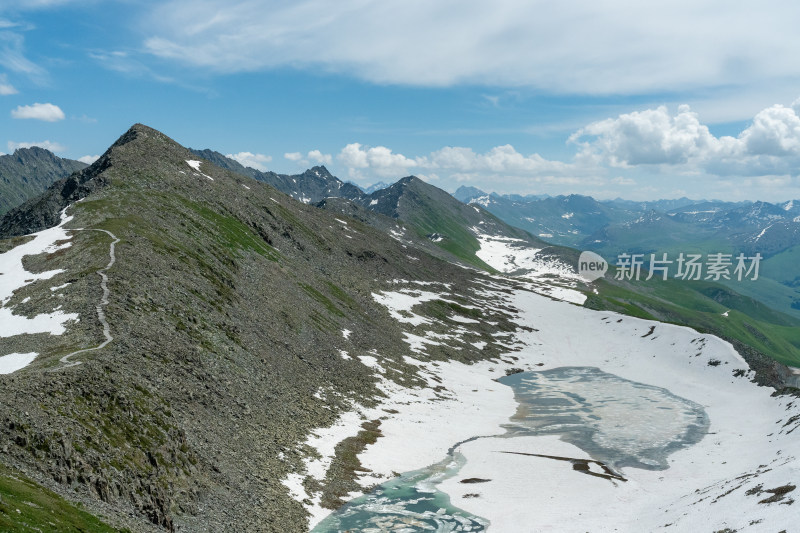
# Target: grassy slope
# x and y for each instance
(460, 241)
(28, 507)
(701, 305)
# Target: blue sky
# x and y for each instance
(640, 100)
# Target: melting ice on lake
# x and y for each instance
(619, 423)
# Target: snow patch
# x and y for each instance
(14, 277)
(518, 258)
(399, 303)
(196, 166)
(15, 361)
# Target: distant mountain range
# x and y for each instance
(614, 227)
(28, 172)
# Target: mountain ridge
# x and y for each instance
(28, 172)
(228, 306)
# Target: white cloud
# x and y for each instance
(46, 112)
(5, 87)
(249, 159)
(582, 46)
(679, 142)
(47, 145)
(127, 64)
(380, 160)
(503, 159)
(456, 163)
(320, 158)
(653, 136)
(313, 157)
(89, 159)
(12, 57)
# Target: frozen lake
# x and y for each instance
(617, 422)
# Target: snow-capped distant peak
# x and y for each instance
(788, 206)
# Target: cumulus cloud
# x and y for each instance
(46, 112)
(89, 159)
(456, 163)
(379, 159)
(653, 136)
(578, 47)
(502, 159)
(5, 87)
(249, 159)
(47, 145)
(770, 145)
(320, 158)
(313, 157)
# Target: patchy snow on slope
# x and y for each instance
(323, 441)
(763, 231)
(13, 277)
(15, 361)
(399, 303)
(372, 362)
(516, 257)
(506, 254)
(196, 166)
(64, 286)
